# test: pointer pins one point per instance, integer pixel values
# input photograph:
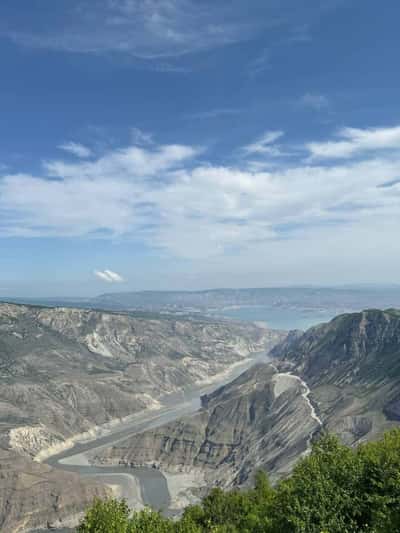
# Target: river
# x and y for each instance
(146, 484)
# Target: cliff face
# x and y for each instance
(263, 419)
(352, 365)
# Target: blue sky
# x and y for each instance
(156, 144)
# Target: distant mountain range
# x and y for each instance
(308, 298)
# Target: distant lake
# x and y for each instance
(279, 317)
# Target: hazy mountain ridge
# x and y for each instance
(336, 299)
(307, 297)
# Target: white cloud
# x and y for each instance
(131, 161)
(355, 141)
(109, 196)
(314, 101)
(109, 276)
(76, 149)
(164, 197)
(265, 144)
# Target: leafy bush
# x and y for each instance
(109, 516)
(335, 489)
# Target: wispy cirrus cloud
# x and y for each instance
(76, 149)
(151, 29)
(156, 32)
(109, 276)
(169, 197)
(293, 34)
(260, 63)
(265, 144)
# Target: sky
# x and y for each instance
(186, 144)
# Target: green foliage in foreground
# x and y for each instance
(334, 490)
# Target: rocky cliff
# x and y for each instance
(352, 365)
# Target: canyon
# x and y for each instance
(342, 377)
(73, 374)
(159, 409)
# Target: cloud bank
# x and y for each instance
(172, 199)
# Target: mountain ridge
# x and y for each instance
(337, 299)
